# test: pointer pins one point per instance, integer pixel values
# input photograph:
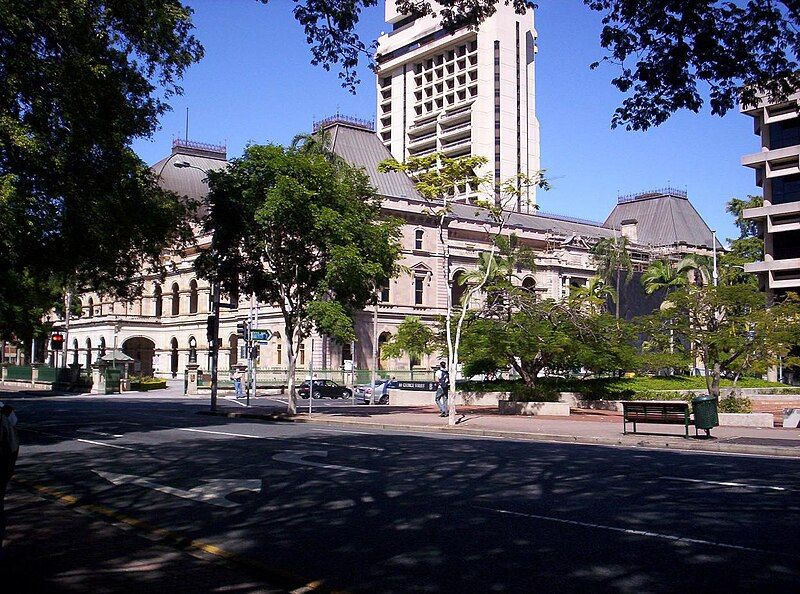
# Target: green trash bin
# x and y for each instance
(705, 413)
(113, 377)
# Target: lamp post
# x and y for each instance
(214, 321)
(714, 274)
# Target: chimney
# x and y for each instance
(629, 229)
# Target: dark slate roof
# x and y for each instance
(189, 182)
(539, 221)
(664, 218)
(361, 147)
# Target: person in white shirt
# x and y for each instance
(442, 378)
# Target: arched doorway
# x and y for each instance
(141, 350)
(102, 346)
(382, 340)
(75, 352)
(89, 353)
(173, 357)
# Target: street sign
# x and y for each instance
(260, 335)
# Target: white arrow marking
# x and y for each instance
(213, 491)
(297, 458)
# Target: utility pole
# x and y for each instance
(311, 381)
(67, 307)
(374, 349)
(714, 250)
(249, 346)
(214, 343)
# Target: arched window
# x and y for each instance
(173, 365)
(89, 349)
(233, 355)
(418, 234)
(382, 340)
(192, 349)
(278, 348)
(102, 346)
(75, 351)
(176, 300)
(458, 290)
(90, 311)
(529, 283)
(158, 302)
(193, 296)
(301, 354)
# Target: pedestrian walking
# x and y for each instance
(442, 378)
(9, 450)
(237, 377)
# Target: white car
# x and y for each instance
(364, 392)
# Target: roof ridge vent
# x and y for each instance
(361, 124)
(181, 146)
(666, 192)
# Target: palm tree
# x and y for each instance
(612, 257)
(663, 274)
(594, 294)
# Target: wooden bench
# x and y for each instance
(662, 412)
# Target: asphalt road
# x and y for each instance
(376, 511)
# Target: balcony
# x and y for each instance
(779, 217)
(781, 274)
(459, 131)
(778, 162)
(422, 141)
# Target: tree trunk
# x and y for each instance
(618, 295)
(292, 367)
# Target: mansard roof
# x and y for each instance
(664, 218)
(189, 181)
(356, 142)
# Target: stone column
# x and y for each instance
(191, 378)
(35, 373)
(125, 381)
(99, 377)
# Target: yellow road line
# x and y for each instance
(281, 578)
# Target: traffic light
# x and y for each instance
(210, 329)
(242, 330)
(57, 342)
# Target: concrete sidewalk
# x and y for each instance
(585, 427)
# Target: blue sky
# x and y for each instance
(256, 85)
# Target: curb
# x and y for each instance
(719, 447)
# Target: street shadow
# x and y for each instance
(400, 513)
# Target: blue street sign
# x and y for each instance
(257, 335)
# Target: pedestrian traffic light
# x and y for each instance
(57, 342)
(210, 329)
(254, 352)
(242, 330)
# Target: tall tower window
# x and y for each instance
(419, 290)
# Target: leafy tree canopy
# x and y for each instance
(671, 55)
(81, 80)
(301, 230)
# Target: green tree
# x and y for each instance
(746, 248)
(437, 177)
(613, 258)
(413, 338)
(594, 295)
(670, 56)
(301, 230)
(81, 80)
(729, 328)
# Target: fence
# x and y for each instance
(276, 377)
(19, 372)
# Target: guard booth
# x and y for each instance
(110, 373)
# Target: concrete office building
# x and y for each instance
(777, 171)
(462, 93)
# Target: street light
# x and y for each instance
(214, 325)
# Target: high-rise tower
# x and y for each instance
(462, 93)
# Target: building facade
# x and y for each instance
(777, 172)
(165, 329)
(462, 93)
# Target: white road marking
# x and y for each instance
(234, 400)
(100, 433)
(297, 458)
(212, 492)
(103, 443)
(725, 483)
(223, 433)
(637, 532)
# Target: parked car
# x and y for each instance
(382, 387)
(324, 389)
